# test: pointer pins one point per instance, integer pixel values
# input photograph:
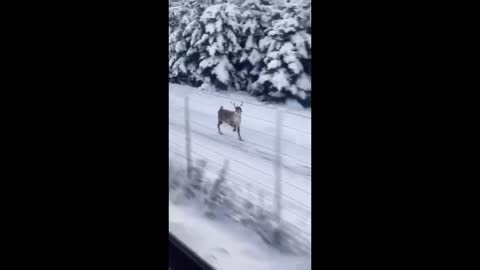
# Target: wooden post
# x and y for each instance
(187, 137)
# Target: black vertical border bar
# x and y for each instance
(164, 127)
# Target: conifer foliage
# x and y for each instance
(258, 46)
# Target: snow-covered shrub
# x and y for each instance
(264, 223)
(219, 198)
(175, 176)
(221, 202)
(195, 185)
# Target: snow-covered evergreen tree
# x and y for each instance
(263, 46)
(178, 20)
(219, 46)
(298, 9)
(192, 34)
(254, 23)
(287, 46)
(183, 62)
(306, 15)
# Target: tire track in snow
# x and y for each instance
(262, 163)
(289, 163)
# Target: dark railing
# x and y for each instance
(182, 257)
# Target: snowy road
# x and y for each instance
(251, 160)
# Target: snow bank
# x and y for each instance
(227, 245)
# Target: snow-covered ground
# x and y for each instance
(251, 169)
(228, 245)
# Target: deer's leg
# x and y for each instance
(234, 129)
(218, 126)
(238, 131)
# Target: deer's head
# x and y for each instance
(238, 109)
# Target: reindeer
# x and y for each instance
(231, 118)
